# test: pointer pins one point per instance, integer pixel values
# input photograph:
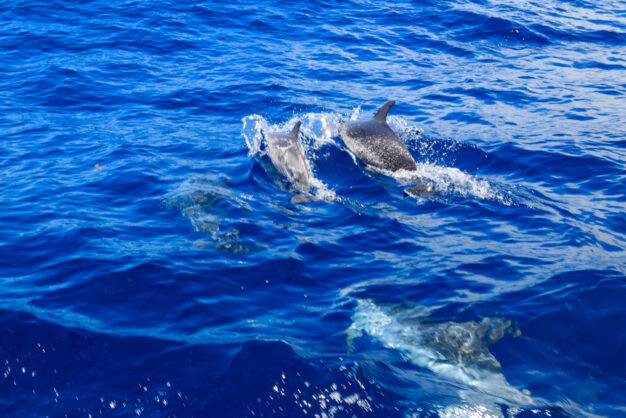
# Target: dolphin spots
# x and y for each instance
(378, 147)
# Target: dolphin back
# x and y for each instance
(376, 144)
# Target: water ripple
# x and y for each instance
(154, 265)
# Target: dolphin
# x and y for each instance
(377, 145)
(288, 157)
(456, 351)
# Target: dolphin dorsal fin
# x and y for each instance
(296, 130)
(381, 116)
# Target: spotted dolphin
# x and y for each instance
(287, 155)
(377, 146)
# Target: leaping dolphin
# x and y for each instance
(288, 157)
(377, 145)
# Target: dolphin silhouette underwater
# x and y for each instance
(288, 158)
(455, 351)
(377, 145)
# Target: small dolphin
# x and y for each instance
(378, 146)
(288, 157)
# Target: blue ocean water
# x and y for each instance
(152, 263)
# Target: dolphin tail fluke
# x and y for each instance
(304, 198)
(296, 129)
(381, 116)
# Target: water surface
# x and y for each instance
(153, 264)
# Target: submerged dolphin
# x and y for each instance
(457, 351)
(288, 157)
(378, 146)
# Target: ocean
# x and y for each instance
(154, 264)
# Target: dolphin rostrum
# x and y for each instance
(377, 145)
(288, 157)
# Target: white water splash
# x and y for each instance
(399, 124)
(451, 180)
(253, 131)
(355, 113)
(320, 129)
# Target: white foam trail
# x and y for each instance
(486, 386)
(453, 180)
(449, 180)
